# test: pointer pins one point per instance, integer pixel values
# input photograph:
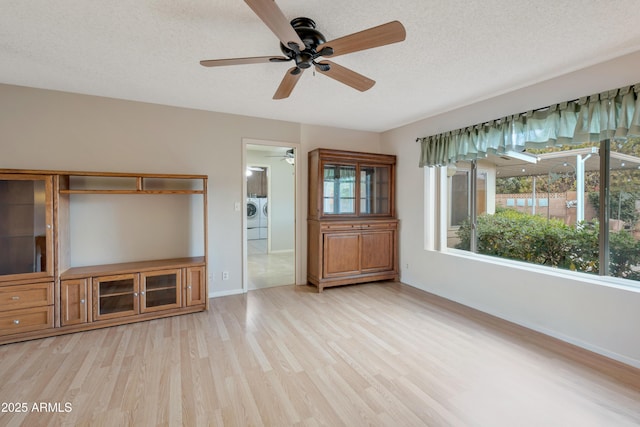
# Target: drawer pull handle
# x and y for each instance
(17, 322)
(15, 298)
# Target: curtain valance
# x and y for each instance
(614, 115)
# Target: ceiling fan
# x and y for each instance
(302, 43)
(288, 156)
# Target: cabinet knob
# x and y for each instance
(17, 322)
(142, 293)
(82, 301)
(189, 287)
(48, 225)
(135, 294)
(15, 298)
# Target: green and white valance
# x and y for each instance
(613, 115)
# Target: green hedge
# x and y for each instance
(524, 237)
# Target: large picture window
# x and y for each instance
(562, 187)
(573, 207)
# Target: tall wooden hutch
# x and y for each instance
(352, 228)
(42, 295)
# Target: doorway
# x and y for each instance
(270, 235)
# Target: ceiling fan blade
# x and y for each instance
(391, 32)
(288, 83)
(346, 76)
(269, 12)
(240, 61)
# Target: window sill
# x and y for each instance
(613, 282)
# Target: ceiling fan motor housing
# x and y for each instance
(312, 38)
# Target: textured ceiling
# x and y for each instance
(457, 52)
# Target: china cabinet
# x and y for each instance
(43, 294)
(352, 230)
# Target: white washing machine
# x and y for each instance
(253, 218)
(263, 220)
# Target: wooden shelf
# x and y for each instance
(102, 174)
(164, 288)
(131, 192)
(130, 267)
(115, 294)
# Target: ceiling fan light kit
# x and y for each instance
(302, 43)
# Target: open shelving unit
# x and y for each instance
(82, 297)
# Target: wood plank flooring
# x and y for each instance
(375, 354)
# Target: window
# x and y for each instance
(459, 188)
(546, 207)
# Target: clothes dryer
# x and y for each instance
(253, 218)
(263, 220)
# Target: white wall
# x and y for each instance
(140, 227)
(42, 129)
(578, 309)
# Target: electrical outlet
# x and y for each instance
(225, 275)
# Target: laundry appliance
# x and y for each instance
(253, 218)
(263, 218)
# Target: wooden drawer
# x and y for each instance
(24, 296)
(338, 227)
(379, 226)
(26, 320)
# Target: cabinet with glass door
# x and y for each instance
(115, 296)
(26, 237)
(27, 282)
(356, 185)
(352, 230)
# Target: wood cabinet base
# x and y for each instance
(50, 332)
(102, 296)
(364, 278)
(350, 252)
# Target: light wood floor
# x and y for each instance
(373, 354)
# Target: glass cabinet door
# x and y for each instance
(374, 190)
(25, 226)
(115, 296)
(339, 190)
(160, 290)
